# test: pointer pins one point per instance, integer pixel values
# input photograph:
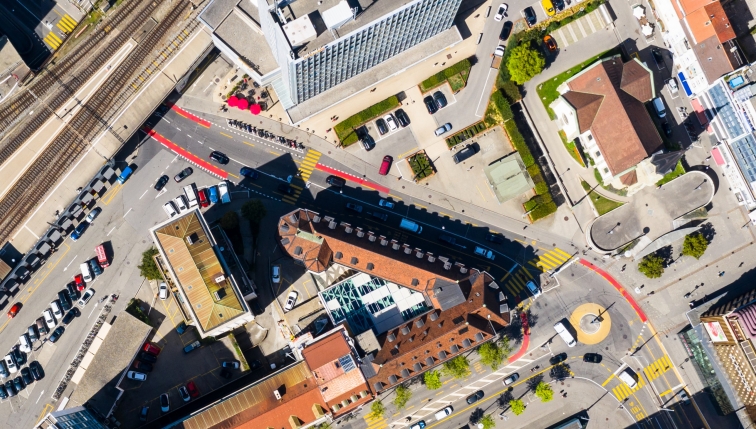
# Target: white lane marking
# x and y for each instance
(486, 91)
(166, 120)
(162, 191)
(199, 142)
(69, 264)
(90, 313)
(143, 194)
(111, 231)
(178, 128)
(127, 212)
(189, 136)
(40, 396)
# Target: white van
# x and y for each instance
(410, 226)
(191, 195)
(565, 334)
(659, 107)
(25, 342)
(446, 412)
(86, 272)
(628, 377)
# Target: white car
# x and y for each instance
(511, 379)
(391, 122)
(138, 376)
(276, 273)
(163, 291)
(386, 204)
(181, 203)
(85, 297)
(499, 51)
(49, 319)
(184, 394)
(170, 209)
(501, 12)
(11, 364)
(223, 192)
(291, 300)
(443, 128)
(672, 85)
(93, 214)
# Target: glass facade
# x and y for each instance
(74, 418)
(744, 150)
(696, 353)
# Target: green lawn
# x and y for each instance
(603, 205)
(547, 91)
(672, 175)
(455, 74)
(571, 148)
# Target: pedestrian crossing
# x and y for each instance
(515, 283)
(478, 367)
(308, 163)
(550, 260)
(66, 24)
(622, 390)
(375, 422)
(658, 367)
(53, 40)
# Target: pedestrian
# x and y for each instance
(741, 264)
(721, 273)
(708, 158)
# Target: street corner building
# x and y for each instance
(307, 48)
(410, 310)
(195, 263)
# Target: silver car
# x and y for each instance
(443, 129)
(291, 300)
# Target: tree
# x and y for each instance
(652, 266)
(491, 355)
(403, 396)
(525, 62)
(149, 268)
(254, 211)
(488, 422)
(230, 221)
(518, 407)
(458, 367)
(543, 392)
(377, 410)
(432, 380)
(695, 245)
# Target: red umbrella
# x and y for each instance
(242, 104)
(255, 109)
(233, 101)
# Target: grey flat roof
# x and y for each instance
(98, 385)
(508, 177)
(368, 79)
(368, 12)
(247, 42)
(217, 11)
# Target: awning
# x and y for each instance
(43, 248)
(107, 173)
(684, 83)
(700, 114)
(717, 156)
(54, 235)
(255, 109)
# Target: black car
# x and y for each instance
(367, 142)
(225, 373)
(381, 125)
(65, 300)
(55, 336)
(667, 129)
(558, 5)
(495, 238)
(440, 99)
(448, 239)
(402, 118)
(36, 370)
(592, 358)
(354, 207)
(19, 384)
(142, 366)
(285, 189)
(95, 266)
(506, 31)
(183, 174)
(68, 318)
(3, 392)
(160, 184)
(430, 104)
(219, 157)
(658, 58)
(463, 154)
(254, 365)
(18, 356)
(336, 181)
(475, 397)
(146, 357)
(73, 294)
(530, 16)
(4, 369)
(557, 359)
(26, 375)
(249, 173)
(10, 388)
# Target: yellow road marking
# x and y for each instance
(226, 135)
(233, 175)
(108, 197)
(274, 153)
(395, 197)
(249, 144)
(607, 380)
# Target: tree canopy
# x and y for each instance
(488, 422)
(254, 211)
(230, 221)
(491, 355)
(149, 269)
(518, 407)
(695, 245)
(403, 396)
(543, 392)
(377, 410)
(459, 367)
(524, 62)
(432, 380)
(652, 266)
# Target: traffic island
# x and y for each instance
(592, 323)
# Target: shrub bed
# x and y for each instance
(466, 134)
(345, 129)
(456, 74)
(421, 166)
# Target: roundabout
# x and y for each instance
(591, 322)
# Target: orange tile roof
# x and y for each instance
(700, 25)
(690, 6)
(351, 383)
(326, 350)
(720, 21)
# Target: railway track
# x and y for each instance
(19, 202)
(16, 108)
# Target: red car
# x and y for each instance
(550, 43)
(14, 310)
(192, 388)
(79, 280)
(151, 349)
(203, 198)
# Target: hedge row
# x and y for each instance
(345, 129)
(519, 143)
(440, 77)
(502, 105)
(466, 134)
(543, 210)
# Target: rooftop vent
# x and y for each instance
(419, 323)
(393, 379)
(429, 361)
(285, 227)
(442, 355)
(192, 238)
(339, 255)
(285, 241)
(277, 395)
(370, 266)
(415, 282)
(298, 250)
(433, 316)
(219, 278)
(391, 338)
(458, 320)
(378, 387)
(405, 373)
(502, 297)
(466, 343)
(479, 337)
(454, 348)
(417, 367)
(354, 260)
(405, 330)
(503, 309)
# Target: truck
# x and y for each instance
(497, 56)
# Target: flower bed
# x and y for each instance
(421, 166)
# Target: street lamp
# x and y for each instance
(699, 186)
(611, 231)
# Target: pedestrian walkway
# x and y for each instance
(478, 367)
(53, 40)
(308, 163)
(66, 24)
(582, 27)
(517, 281)
(375, 422)
(657, 368)
(550, 260)
(622, 390)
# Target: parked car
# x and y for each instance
(85, 297)
(213, 194)
(165, 403)
(79, 280)
(163, 291)
(160, 184)
(667, 129)
(557, 359)
(142, 366)
(94, 264)
(530, 16)
(249, 173)
(443, 129)
(223, 194)
(354, 207)
(143, 413)
(558, 5)
(672, 86)
(192, 346)
(500, 12)
(49, 319)
(658, 59)
(68, 318)
(511, 379)
(291, 300)
(79, 231)
(386, 204)
(430, 104)
(73, 293)
(3, 392)
(183, 174)
(192, 388)
(15, 308)
(464, 154)
(10, 362)
(146, 357)
(181, 203)
(18, 382)
(204, 199)
(506, 30)
(233, 364)
(550, 43)
(275, 273)
(592, 358)
(135, 375)
(184, 394)
(219, 157)
(402, 118)
(475, 397)
(36, 371)
(10, 388)
(379, 215)
(440, 99)
(26, 376)
(55, 336)
(336, 181)
(93, 214)
(495, 238)
(151, 349)
(390, 122)
(418, 425)
(381, 125)
(385, 165)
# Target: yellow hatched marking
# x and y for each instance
(554, 257)
(314, 152)
(565, 254)
(70, 20)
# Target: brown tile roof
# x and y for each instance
(720, 22)
(636, 81)
(431, 343)
(622, 127)
(326, 350)
(630, 178)
(713, 58)
(586, 106)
